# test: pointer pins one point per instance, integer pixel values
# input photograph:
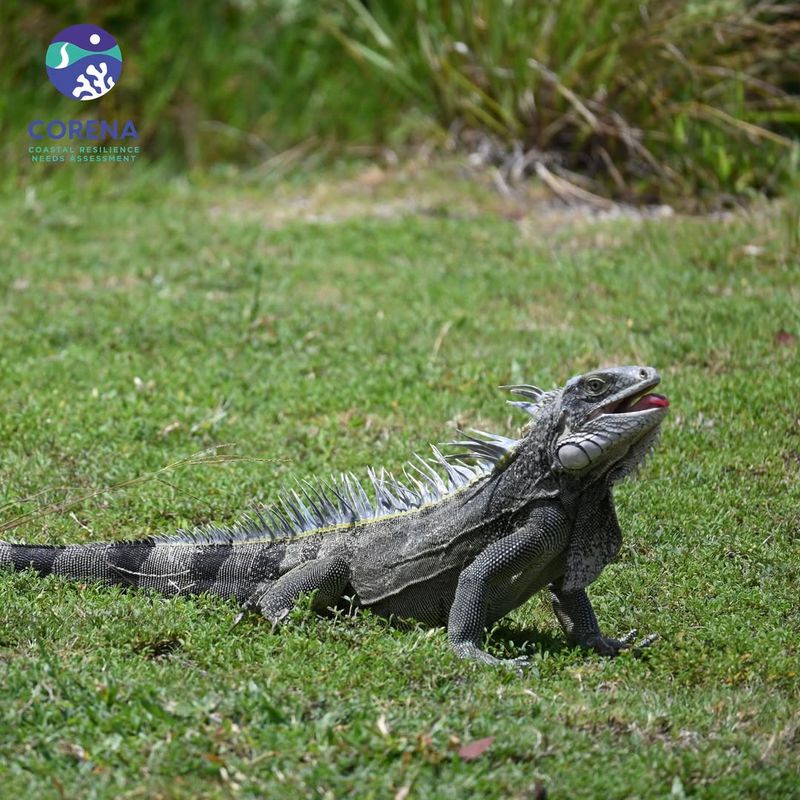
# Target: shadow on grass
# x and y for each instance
(526, 640)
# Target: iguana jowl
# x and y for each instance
(458, 545)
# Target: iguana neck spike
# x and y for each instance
(524, 390)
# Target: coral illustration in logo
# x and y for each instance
(84, 62)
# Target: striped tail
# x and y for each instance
(106, 562)
(169, 568)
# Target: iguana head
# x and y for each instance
(609, 421)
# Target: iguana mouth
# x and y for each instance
(642, 399)
(641, 402)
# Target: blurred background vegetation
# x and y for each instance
(694, 103)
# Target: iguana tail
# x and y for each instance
(171, 568)
(118, 562)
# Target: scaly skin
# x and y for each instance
(462, 547)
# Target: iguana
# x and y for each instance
(460, 541)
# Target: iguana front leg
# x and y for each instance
(579, 623)
(530, 548)
(328, 577)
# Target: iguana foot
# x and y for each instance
(518, 664)
(608, 646)
(324, 578)
(473, 653)
(256, 601)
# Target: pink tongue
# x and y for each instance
(650, 401)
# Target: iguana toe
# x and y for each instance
(608, 646)
(646, 642)
(469, 651)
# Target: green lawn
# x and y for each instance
(348, 320)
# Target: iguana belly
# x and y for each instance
(427, 603)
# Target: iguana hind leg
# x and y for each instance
(328, 577)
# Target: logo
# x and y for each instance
(84, 62)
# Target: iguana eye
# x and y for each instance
(595, 386)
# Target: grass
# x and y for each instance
(149, 320)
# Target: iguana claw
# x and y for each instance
(608, 646)
(518, 664)
(629, 642)
(645, 642)
(629, 637)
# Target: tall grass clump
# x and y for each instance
(643, 100)
(636, 99)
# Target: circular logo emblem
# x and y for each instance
(84, 62)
